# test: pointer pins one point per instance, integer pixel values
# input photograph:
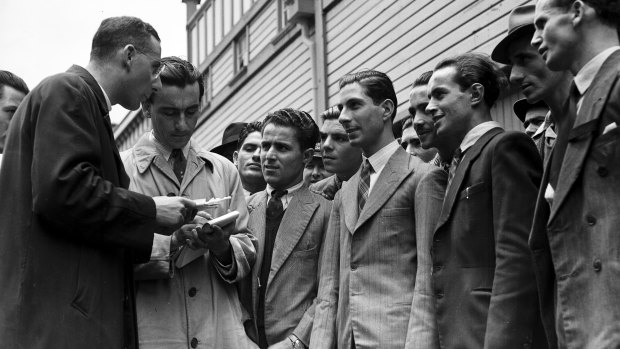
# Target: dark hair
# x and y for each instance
(423, 79)
(333, 113)
(607, 10)
(179, 73)
(376, 85)
(306, 129)
(478, 68)
(9, 79)
(255, 126)
(116, 32)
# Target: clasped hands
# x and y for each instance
(200, 234)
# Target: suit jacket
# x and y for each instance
(483, 276)
(422, 331)
(576, 242)
(369, 263)
(293, 279)
(70, 230)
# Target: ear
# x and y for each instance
(236, 157)
(129, 54)
(308, 154)
(388, 108)
(577, 12)
(477, 94)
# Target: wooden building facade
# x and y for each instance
(262, 55)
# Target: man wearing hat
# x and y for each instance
(532, 115)
(229, 140)
(315, 170)
(530, 73)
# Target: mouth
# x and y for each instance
(271, 167)
(351, 129)
(542, 52)
(253, 165)
(328, 158)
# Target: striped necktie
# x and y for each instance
(364, 186)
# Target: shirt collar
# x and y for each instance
(105, 95)
(164, 150)
(381, 157)
(289, 191)
(475, 133)
(586, 75)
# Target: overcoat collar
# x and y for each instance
(146, 154)
(470, 155)
(584, 130)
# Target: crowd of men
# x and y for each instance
(458, 234)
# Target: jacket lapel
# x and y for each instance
(470, 155)
(395, 171)
(349, 200)
(294, 223)
(584, 130)
(257, 209)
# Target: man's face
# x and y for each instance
(422, 121)
(361, 118)
(339, 156)
(534, 117)
(174, 113)
(554, 38)
(247, 158)
(414, 147)
(449, 106)
(11, 98)
(281, 156)
(529, 71)
(315, 171)
(142, 77)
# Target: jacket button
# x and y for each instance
(192, 292)
(602, 171)
(194, 342)
(353, 266)
(597, 265)
(590, 220)
(172, 194)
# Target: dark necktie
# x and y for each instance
(275, 206)
(364, 186)
(178, 164)
(456, 160)
(561, 142)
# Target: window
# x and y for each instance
(237, 12)
(217, 20)
(194, 45)
(247, 4)
(210, 34)
(282, 14)
(206, 97)
(227, 16)
(241, 52)
(202, 47)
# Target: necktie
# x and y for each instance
(364, 186)
(179, 163)
(456, 160)
(275, 206)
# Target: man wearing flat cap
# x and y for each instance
(529, 72)
(229, 140)
(531, 115)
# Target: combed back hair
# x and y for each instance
(333, 113)
(255, 126)
(478, 68)
(376, 85)
(179, 73)
(423, 79)
(305, 128)
(607, 10)
(9, 79)
(117, 32)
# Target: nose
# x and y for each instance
(516, 75)
(327, 144)
(316, 172)
(431, 108)
(156, 84)
(344, 117)
(181, 123)
(536, 39)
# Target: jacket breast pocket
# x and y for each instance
(472, 191)
(605, 149)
